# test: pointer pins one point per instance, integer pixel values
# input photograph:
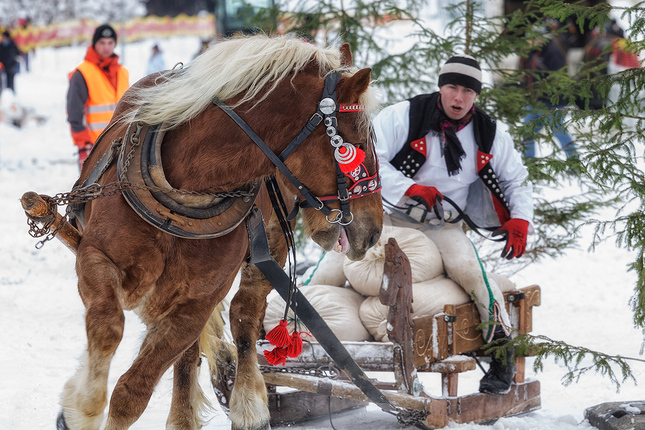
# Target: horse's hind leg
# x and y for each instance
(188, 401)
(248, 407)
(85, 395)
(166, 342)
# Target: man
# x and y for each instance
(440, 144)
(95, 87)
(9, 57)
(548, 57)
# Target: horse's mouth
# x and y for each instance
(342, 244)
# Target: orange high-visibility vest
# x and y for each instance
(103, 97)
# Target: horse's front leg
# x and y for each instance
(248, 407)
(85, 395)
(188, 400)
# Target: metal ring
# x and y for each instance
(348, 222)
(331, 131)
(336, 141)
(329, 121)
(339, 217)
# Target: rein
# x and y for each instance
(401, 212)
(326, 114)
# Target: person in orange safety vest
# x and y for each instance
(95, 87)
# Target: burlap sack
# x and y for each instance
(425, 261)
(338, 306)
(428, 297)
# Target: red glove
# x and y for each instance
(81, 138)
(427, 196)
(515, 231)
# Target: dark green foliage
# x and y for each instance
(605, 186)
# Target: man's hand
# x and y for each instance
(83, 151)
(429, 197)
(515, 230)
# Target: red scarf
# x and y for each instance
(109, 66)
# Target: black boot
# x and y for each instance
(500, 375)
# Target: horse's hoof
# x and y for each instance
(60, 422)
(262, 426)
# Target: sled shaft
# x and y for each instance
(37, 209)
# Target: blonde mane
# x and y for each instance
(250, 67)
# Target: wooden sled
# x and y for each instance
(436, 343)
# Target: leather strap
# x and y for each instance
(261, 257)
(311, 199)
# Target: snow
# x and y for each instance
(584, 295)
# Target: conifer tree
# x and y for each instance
(606, 180)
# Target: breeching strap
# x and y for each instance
(261, 257)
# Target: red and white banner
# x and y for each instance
(80, 31)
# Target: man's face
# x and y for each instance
(105, 47)
(457, 100)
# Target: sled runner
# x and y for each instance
(445, 343)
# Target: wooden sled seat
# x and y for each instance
(310, 386)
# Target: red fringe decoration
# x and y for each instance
(351, 166)
(276, 356)
(279, 336)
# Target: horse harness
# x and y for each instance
(176, 212)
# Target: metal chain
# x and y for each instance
(320, 372)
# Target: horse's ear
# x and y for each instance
(356, 85)
(345, 55)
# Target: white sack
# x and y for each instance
(428, 297)
(338, 306)
(328, 271)
(425, 261)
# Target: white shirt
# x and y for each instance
(391, 128)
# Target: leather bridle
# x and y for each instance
(362, 183)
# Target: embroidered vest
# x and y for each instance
(413, 154)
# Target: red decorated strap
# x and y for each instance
(351, 108)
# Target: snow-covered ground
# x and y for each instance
(584, 295)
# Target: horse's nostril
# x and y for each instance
(373, 239)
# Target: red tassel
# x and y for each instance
(295, 345)
(276, 356)
(353, 164)
(279, 336)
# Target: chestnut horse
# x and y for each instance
(174, 283)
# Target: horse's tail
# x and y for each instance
(212, 343)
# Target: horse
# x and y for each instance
(174, 270)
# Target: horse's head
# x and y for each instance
(354, 228)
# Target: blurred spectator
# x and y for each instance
(605, 53)
(203, 47)
(156, 63)
(547, 57)
(10, 59)
(95, 88)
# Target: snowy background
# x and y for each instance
(584, 295)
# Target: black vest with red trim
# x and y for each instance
(423, 119)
